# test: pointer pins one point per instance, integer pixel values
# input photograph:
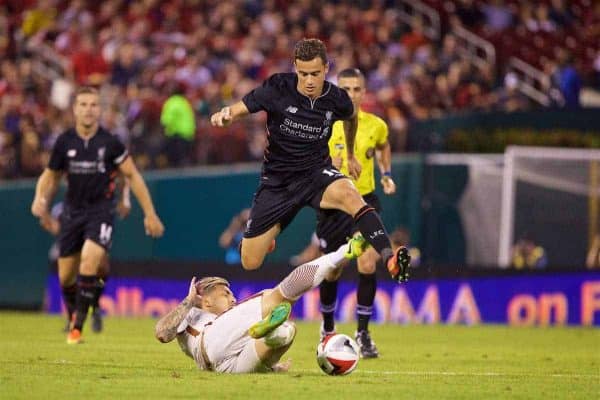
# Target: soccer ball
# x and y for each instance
(337, 354)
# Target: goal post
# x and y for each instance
(559, 184)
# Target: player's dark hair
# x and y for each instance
(351, 73)
(309, 49)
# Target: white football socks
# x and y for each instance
(311, 274)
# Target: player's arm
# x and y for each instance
(45, 189)
(166, 327)
(229, 114)
(50, 224)
(383, 154)
(227, 236)
(124, 204)
(350, 127)
(337, 159)
(236, 225)
(152, 223)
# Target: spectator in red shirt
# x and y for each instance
(87, 65)
(415, 38)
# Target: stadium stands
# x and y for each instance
(138, 52)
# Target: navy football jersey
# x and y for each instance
(91, 167)
(298, 126)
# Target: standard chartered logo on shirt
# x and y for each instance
(297, 129)
(83, 167)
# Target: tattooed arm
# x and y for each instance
(166, 327)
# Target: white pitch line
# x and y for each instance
(446, 373)
(425, 373)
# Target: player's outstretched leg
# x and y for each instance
(275, 332)
(276, 317)
(310, 275)
(369, 223)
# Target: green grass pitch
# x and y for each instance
(417, 362)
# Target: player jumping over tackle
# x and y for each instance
(251, 336)
(297, 171)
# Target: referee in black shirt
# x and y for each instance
(91, 158)
(301, 108)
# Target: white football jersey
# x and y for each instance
(197, 319)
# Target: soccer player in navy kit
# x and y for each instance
(91, 158)
(301, 108)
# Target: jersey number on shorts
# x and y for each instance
(105, 233)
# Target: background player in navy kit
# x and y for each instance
(297, 171)
(51, 223)
(91, 158)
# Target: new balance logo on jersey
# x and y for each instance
(292, 109)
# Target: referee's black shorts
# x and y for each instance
(334, 227)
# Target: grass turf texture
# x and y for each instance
(126, 362)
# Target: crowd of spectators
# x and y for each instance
(140, 52)
(559, 37)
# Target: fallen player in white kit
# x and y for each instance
(251, 336)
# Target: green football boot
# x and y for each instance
(276, 317)
(357, 245)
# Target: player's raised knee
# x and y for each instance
(251, 261)
(344, 197)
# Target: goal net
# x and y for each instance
(463, 190)
(551, 196)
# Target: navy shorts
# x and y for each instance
(281, 196)
(76, 226)
(334, 227)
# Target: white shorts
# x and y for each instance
(226, 340)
